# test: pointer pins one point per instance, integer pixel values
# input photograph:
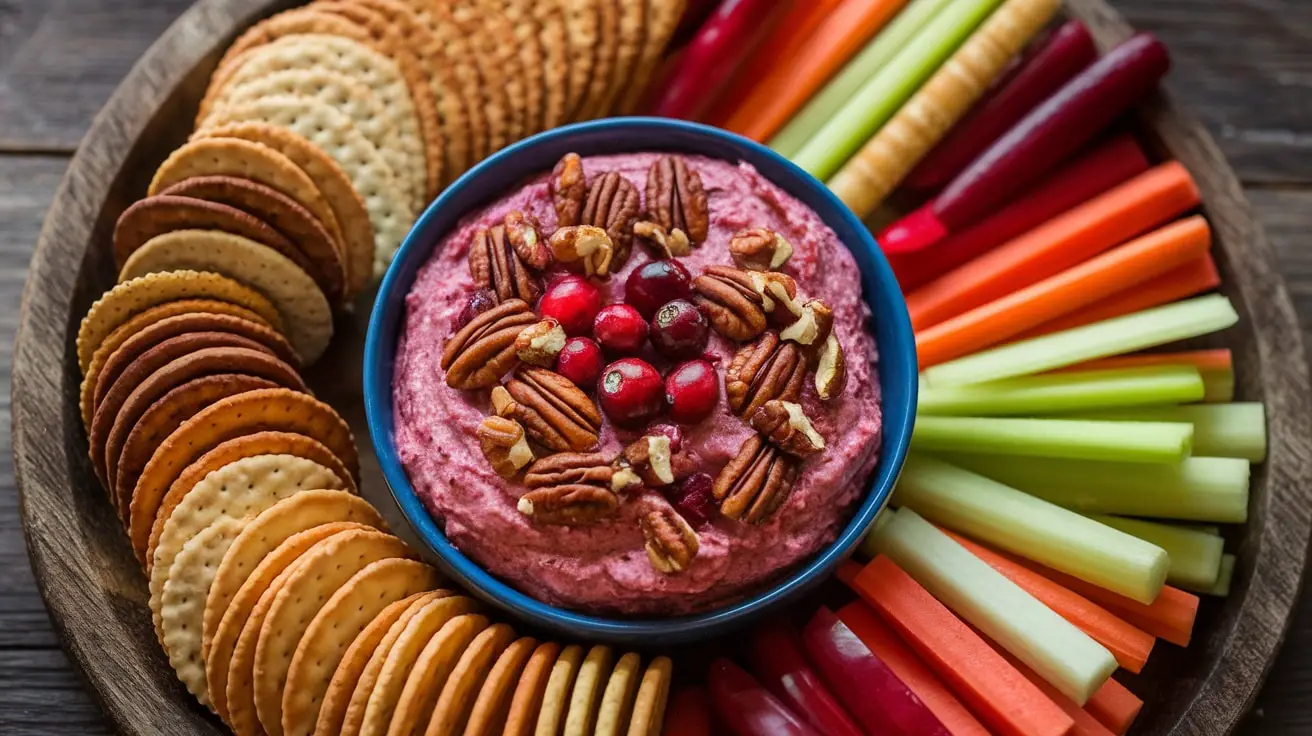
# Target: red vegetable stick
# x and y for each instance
(993, 689)
(1061, 125)
(1206, 361)
(688, 713)
(847, 571)
(1089, 175)
(1146, 201)
(1129, 645)
(694, 15)
(907, 666)
(1085, 723)
(776, 657)
(1065, 293)
(715, 54)
(747, 708)
(1194, 277)
(1115, 707)
(1044, 68)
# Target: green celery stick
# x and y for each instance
(1151, 327)
(1138, 442)
(862, 67)
(1220, 430)
(865, 112)
(1054, 648)
(1017, 522)
(1195, 556)
(1209, 489)
(1224, 579)
(1066, 392)
(1219, 385)
(1203, 528)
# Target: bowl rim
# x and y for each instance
(880, 292)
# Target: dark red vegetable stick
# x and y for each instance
(1043, 69)
(749, 709)
(776, 658)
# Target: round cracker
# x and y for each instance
(227, 635)
(527, 36)
(302, 305)
(605, 62)
(556, 699)
(243, 159)
(491, 707)
(653, 693)
(157, 215)
(277, 410)
(583, 36)
(488, 35)
(434, 669)
(585, 698)
(663, 18)
(451, 48)
(321, 572)
(336, 625)
(550, 17)
(530, 690)
(629, 46)
(131, 298)
(617, 699)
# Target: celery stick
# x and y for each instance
(1224, 579)
(1066, 392)
(1220, 430)
(1141, 442)
(882, 95)
(1195, 556)
(1202, 528)
(1158, 326)
(1050, 645)
(1219, 385)
(1213, 489)
(862, 67)
(1028, 526)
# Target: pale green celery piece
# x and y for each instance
(862, 67)
(882, 95)
(1158, 326)
(1003, 517)
(1066, 392)
(1137, 442)
(1195, 556)
(1219, 385)
(1224, 579)
(1220, 430)
(1207, 489)
(1055, 649)
(1212, 529)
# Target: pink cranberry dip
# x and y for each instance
(603, 566)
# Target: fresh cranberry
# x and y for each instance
(620, 329)
(680, 330)
(670, 431)
(694, 500)
(573, 301)
(478, 303)
(630, 391)
(691, 391)
(656, 283)
(580, 361)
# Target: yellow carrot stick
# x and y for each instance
(882, 163)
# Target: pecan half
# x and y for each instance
(831, 370)
(503, 444)
(786, 425)
(555, 413)
(766, 370)
(676, 199)
(570, 469)
(759, 249)
(526, 242)
(584, 248)
(730, 301)
(671, 543)
(496, 266)
(613, 205)
(483, 351)
(813, 325)
(660, 243)
(568, 505)
(756, 482)
(540, 343)
(569, 190)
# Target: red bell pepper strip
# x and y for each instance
(749, 709)
(776, 657)
(688, 713)
(693, 17)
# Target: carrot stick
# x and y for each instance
(1067, 292)
(1085, 723)
(1148, 200)
(881, 640)
(1129, 645)
(797, 74)
(847, 572)
(1194, 277)
(1115, 707)
(990, 687)
(1205, 361)
(881, 164)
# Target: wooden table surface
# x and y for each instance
(1243, 66)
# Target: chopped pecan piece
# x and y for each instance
(756, 482)
(613, 205)
(831, 370)
(483, 351)
(569, 190)
(813, 325)
(662, 244)
(496, 266)
(503, 405)
(570, 469)
(555, 413)
(766, 370)
(676, 199)
(786, 425)
(730, 301)
(540, 343)
(584, 248)
(526, 242)
(648, 461)
(759, 249)
(568, 505)
(503, 444)
(671, 542)
(778, 292)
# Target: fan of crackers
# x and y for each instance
(278, 594)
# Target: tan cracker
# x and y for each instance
(526, 702)
(586, 696)
(556, 699)
(653, 693)
(491, 701)
(617, 700)
(431, 672)
(663, 18)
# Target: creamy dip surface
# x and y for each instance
(603, 568)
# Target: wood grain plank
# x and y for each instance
(41, 695)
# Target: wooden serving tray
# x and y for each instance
(97, 595)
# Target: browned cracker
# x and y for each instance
(653, 692)
(560, 685)
(586, 696)
(435, 669)
(583, 37)
(606, 62)
(491, 706)
(498, 66)
(157, 215)
(530, 689)
(632, 36)
(527, 39)
(550, 15)
(617, 699)
(663, 18)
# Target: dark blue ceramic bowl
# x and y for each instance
(491, 179)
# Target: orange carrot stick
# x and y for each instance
(881, 640)
(993, 689)
(1068, 292)
(799, 74)
(1115, 707)
(1192, 278)
(847, 572)
(1205, 361)
(1113, 217)
(1129, 645)
(1085, 723)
